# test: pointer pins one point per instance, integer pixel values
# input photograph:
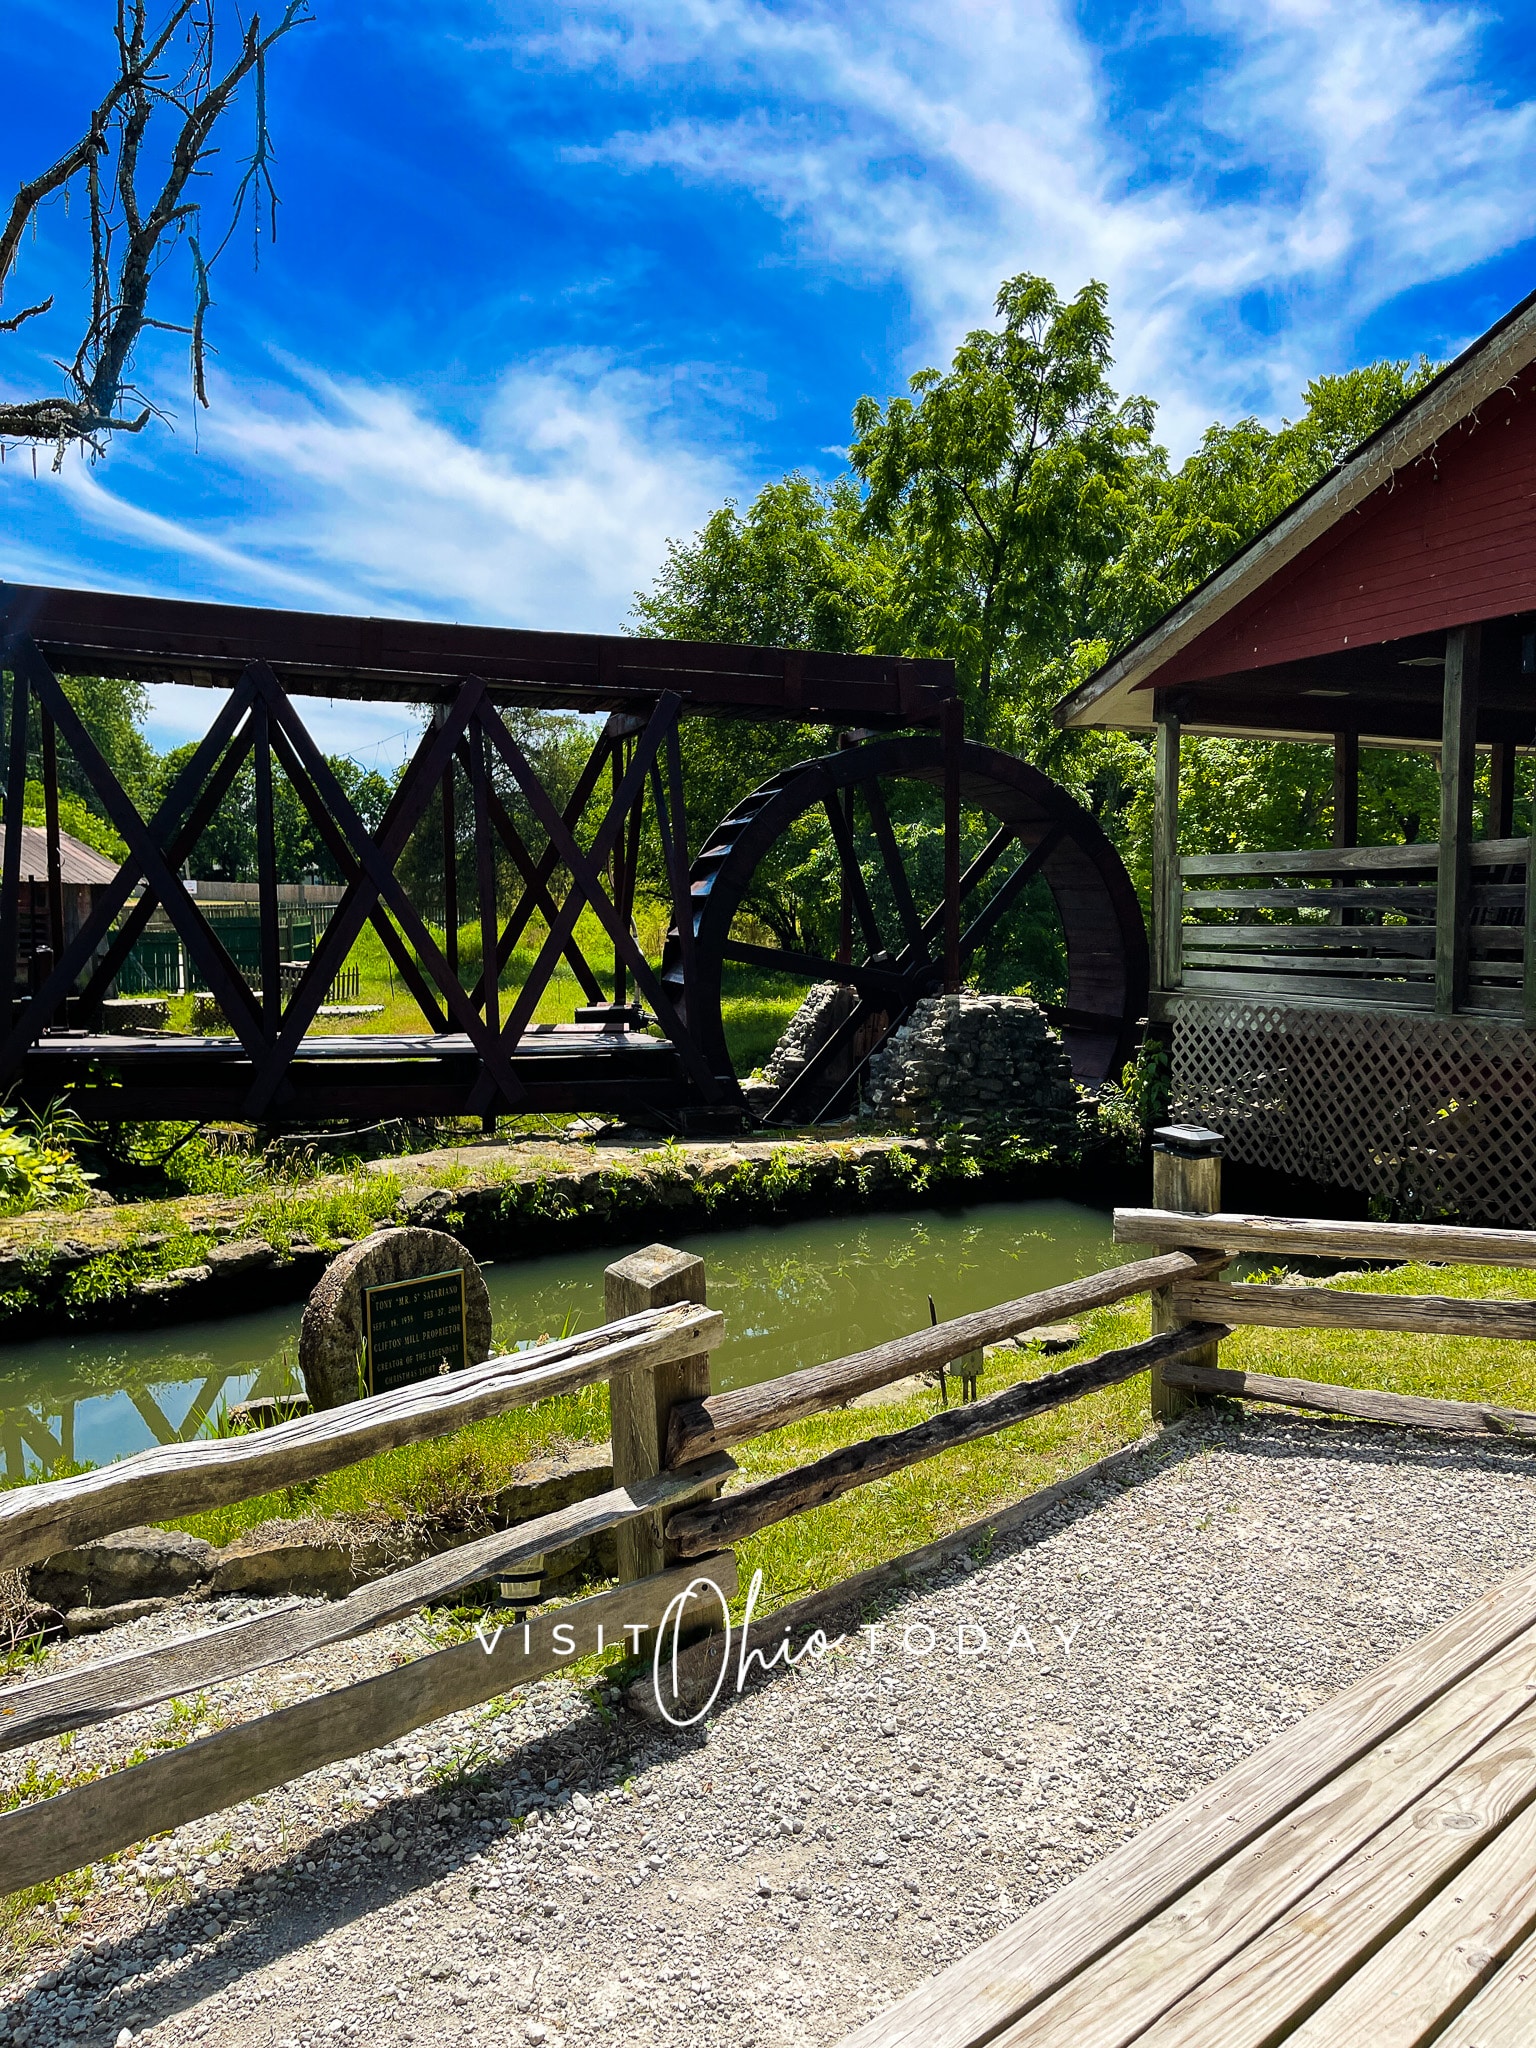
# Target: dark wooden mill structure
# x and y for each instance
(482, 1053)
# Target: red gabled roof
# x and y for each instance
(1429, 524)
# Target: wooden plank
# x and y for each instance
(698, 1530)
(1315, 1237)
(1352, 860)
(745, 1412)
(182, 1479)
(1349, 897)
(1404, 1993)
(1167, 885)
(1416, 1411)
(1504, 2014)
(983, 1993)
(1237, 1960)
(1192, 1186)
(77, 1827)
(1327, 939)
(1458, 763)
(1398, 995)
(1316, 963)
(118, 1685)
(1330, 1308)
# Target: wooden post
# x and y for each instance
(1458, 755)
(1530, 926)
(51, 833)
(266, 877)
(952, 727)
(451, 879)
(10, 866)
(1186, 1174)
(1167, 887)
(1501, 790)
(1346, 789)
(640, 1398)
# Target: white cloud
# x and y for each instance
(952, 146)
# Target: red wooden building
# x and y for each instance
(1366, 1016)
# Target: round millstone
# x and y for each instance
(332, 1329)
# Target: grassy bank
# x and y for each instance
(448, 1479)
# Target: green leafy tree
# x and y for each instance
(1007, 488)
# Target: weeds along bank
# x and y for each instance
(205, 1255)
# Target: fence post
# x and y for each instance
(1186, 1175)
(641, 1398)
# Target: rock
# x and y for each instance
(545, 1484)
(135, 1013)
(245, 1256)
(135, 1564)
(1052, 1337)
(825, 1007)
(975, 1060)
(174, 1281)
(425, 1205)
(332, 1330)
(898, 1391)
(90, 1621)
(310, 1556)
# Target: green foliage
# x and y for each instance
(76, 818)
(227, 849)
(38, 1170)
(1008, 487)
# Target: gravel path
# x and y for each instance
(835, 1834)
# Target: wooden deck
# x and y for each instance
(1367, 1878)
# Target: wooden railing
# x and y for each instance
(1359, 924)
(670, 1459)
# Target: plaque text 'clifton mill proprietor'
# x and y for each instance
(415, 1329)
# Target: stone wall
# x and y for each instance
(824, 1008)
(975, 1060)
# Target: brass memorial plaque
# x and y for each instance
(414, 1329)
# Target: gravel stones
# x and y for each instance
(332, 1330)
(566, 1868)
(975, 1060)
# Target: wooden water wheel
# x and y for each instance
(1038, 874)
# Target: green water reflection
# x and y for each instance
(792, 1295)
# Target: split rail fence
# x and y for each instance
(671, 1443)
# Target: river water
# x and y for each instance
(792, 1294)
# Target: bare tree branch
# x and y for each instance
(130, 232)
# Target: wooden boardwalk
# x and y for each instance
(1367, 1878)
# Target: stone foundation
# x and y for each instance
(975, 1060)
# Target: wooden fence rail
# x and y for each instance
(671, 1438)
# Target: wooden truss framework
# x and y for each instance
(260, 724)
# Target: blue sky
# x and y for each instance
(551, 282)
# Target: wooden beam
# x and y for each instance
(15, 806)
(51, 834)
(1369, 1404)
(1167, 881)
(697, 1531)
(1184, 1182)
(1346, 789)
(1458, 760)
(77, 1827)
(1445, 1244)
(641, 1403)
(741, 1413)
(121, 1685)
(1501, 790)
(1332, 1308)
(183, 1479)
(952, 726)
(266, 874)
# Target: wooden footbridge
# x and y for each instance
(1369, 1877)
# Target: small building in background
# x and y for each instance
(83, 873)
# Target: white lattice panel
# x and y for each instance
(1432, 1116)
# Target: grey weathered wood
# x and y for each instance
(1310, 960)
(1417, 1411)
(1167, 897)
(641, 1405)
(1332, 1308)
(1446, 1244)
(985, 1992)
(1484, 853)
(1397, 995)
(741, 1413)
(96, 1692)
(1193, 1186)
(698, 1530)
(1349, 896)
(182, 1479)
(1326, 939)
(77, 1827)
(1346, 788)
(1458, 760)
(1528, 985)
